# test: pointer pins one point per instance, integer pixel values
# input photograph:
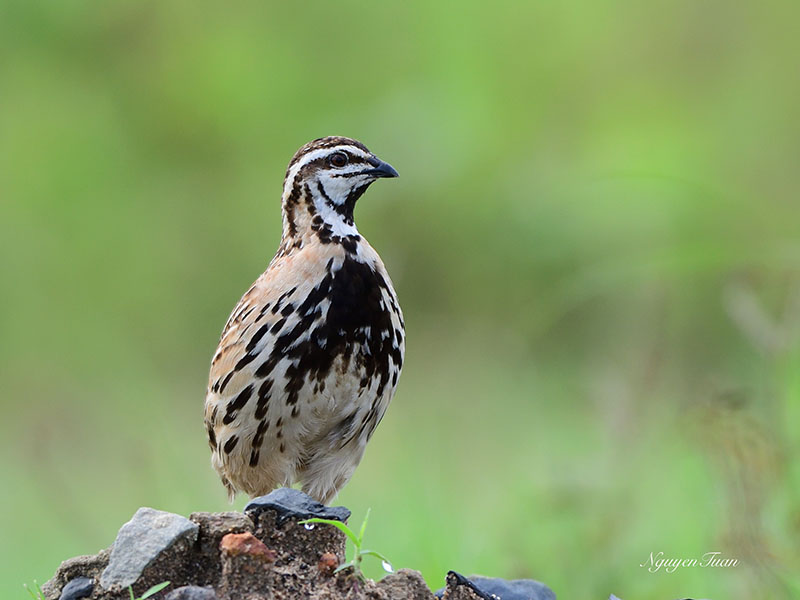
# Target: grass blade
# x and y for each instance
(154, 590)
(338, 524)
(346, 565)
(376, 554)
(363, 527)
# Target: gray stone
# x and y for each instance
(293, 504)
(80, 587)
(192, 592)
(140, 541)
(515, 589)
(494, 588)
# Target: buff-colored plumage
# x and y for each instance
(310, 356)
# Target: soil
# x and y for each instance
(244, 558)
(265, 553)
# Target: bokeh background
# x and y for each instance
(594, 238)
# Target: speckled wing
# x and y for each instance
(244, 413)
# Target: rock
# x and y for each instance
(246, 544)
(515, 589)
(328, 563)
(192, 592)
(293, 504)
(141, 541)
(80, 587)
(493, 588)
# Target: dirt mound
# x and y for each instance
(262, 554)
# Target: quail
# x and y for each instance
(309, 359)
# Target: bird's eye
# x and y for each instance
(339, 159)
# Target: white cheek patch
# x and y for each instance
(338, 188)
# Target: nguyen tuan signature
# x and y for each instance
(657, 561)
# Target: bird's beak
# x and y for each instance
(381, 169)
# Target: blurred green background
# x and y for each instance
(594, 239)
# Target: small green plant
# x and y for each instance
(358, 551)
(153, 590)
(37, 595)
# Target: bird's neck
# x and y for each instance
(310, 216)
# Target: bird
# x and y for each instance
(310, 357)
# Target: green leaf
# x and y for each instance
(346, 565)
(339, 525)
(376, 554)
(130, 589)
(363, 527)
(154, 590)
(359, 554)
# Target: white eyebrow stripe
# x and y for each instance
(315, 154)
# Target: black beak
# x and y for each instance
(381, 169)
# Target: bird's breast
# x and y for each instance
(356, 330)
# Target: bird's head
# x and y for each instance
(324, 180)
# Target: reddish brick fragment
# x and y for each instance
(328, 563)
(246, 544)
